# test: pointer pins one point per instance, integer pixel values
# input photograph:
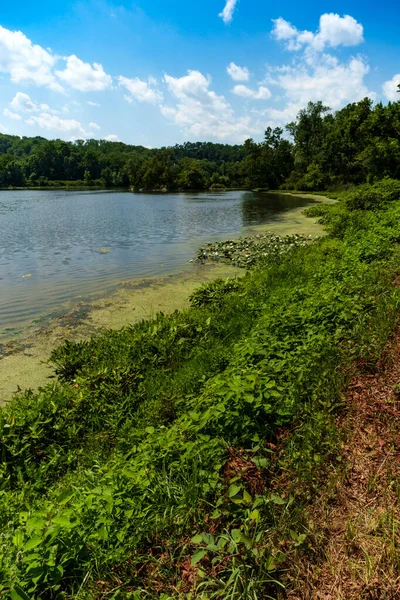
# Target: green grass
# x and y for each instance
(176, 457)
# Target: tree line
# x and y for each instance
(321, 149)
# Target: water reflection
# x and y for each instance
(259, 207)
(55, 237)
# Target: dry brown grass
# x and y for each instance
(355, 520)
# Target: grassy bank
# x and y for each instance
(177, 457)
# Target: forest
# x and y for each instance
(320, 150)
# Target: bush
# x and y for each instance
(373, 197)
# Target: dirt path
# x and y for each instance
(359, 516)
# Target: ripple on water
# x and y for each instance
(57, 237)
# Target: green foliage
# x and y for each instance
(37, 162)
(357, 144)
(215, 292)
(154, 454)
(373, 197)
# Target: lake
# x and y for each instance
(58, 245)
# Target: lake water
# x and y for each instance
(58, 245)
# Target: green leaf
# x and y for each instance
(277, 499)
(18, 594)
(247, 498)
(197, 557)
(293, 535)
(197, 539)
(236, 535)
(65, 497)
(63, 521)
(255, 515)
(261, 463)
(301, 539)
(18, 539)
(32, 543)
(233, 490)
(150, 430)
(129, 473)
(246, 541)
(271, 565)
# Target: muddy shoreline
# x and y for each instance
(24, 352)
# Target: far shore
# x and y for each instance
(24, 355)
(98, 188)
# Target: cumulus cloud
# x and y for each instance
(391, 89)
(23, 103)
(325, 78)
(262, 93)
(84, 76)
(26, 62)
(30, 64)
(143, 91)
(238, 73)
(229, 8)
(112, 137)
(200, 112)
(333, 31)
(49, 119)
(11, 115)
(93, 103)
(54, 123)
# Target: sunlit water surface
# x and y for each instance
(58, 245)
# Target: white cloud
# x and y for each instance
(229, 8)
(3, 128)
(238, 73)
(200, 112)
(262, 93)
(390, 88)
(26, 62)
(112, 137)
(84, 76)
(333, 31)
(92, 103)
(324, 78)
(56, 124)
(23, 103)
(141, 90)
(94, 126)
(11, 115)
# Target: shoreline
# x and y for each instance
(24, 354)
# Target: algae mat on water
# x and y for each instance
(24, 353)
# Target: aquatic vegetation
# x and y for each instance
(176, 457)
(252, 250)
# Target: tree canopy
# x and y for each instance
(357, 144)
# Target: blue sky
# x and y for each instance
(157, 73)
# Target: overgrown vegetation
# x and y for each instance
(176, 458)
(358, 144)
